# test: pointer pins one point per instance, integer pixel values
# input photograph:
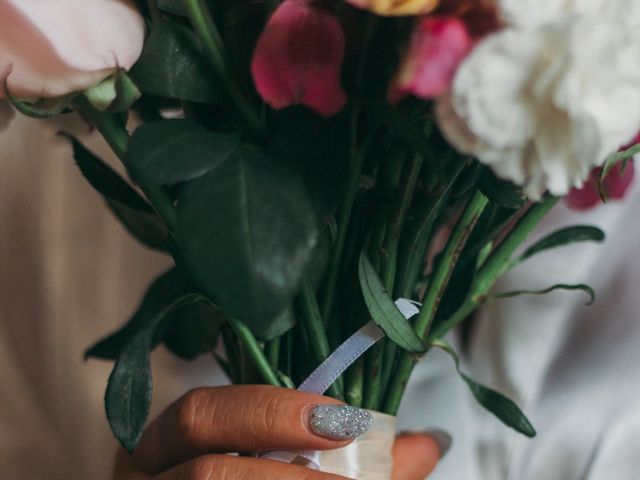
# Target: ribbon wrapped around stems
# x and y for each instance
(369, 456)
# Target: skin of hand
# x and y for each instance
(190, 439)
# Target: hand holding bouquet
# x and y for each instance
(302, 160)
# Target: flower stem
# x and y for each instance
(316, 333)
(380, 358)
(255, 352)
(116, 135)
(358, 155)
(208, 33)
(437, 286)
(272, 351)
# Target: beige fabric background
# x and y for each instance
(68, 274)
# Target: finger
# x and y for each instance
(227, 467)
(232, 419)
(415, 455)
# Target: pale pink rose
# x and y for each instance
(438, 46)
(55, 47)
(298, 58)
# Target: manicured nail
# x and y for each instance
(339, 422)
(443, 439)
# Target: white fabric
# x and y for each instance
(368, 457)
(69, 274)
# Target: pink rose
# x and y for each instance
(56, 47)
(298, 58)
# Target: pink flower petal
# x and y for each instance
(298, 58)
(57, 47)
(438, 46)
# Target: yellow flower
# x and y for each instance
(396, 7)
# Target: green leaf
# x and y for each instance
(115, 94)
(281, 325)
(585, 288)
(502, 407)
(173, 65)
(564, 236)
(173, 151)
(175, 7)
(146, 227)
(246, 232)
(161, 293)
(193, 330)
(501, 192)
(128, 394)
(384, 312)
(105, 180)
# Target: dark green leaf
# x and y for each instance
(565, 236)
(384, 312)
(501, 192)
(585, 288)
(502, 407)
(176, 7)
(146, 227)
(105, 180)
(193, 330)
(281, 325)
(128, 394)
(247, 232)
(161, 293)
(174, 151)
(173, 65)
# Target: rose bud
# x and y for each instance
(614, 186)
(298, 58)
(61, 46)
(396, 7)
(437, 47)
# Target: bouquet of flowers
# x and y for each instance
(340, 183)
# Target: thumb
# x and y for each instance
(415, 454)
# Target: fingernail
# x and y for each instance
(339, 422)
(442, 438)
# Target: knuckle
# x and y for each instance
(189, 412)
(271, 412)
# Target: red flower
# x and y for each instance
(298, 58)
(438, 46)
(615, 187)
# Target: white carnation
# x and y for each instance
(542, 105)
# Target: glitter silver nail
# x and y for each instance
(340, 422)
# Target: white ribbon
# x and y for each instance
(328, 372)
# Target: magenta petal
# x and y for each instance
(298, 58)
(438, 46)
